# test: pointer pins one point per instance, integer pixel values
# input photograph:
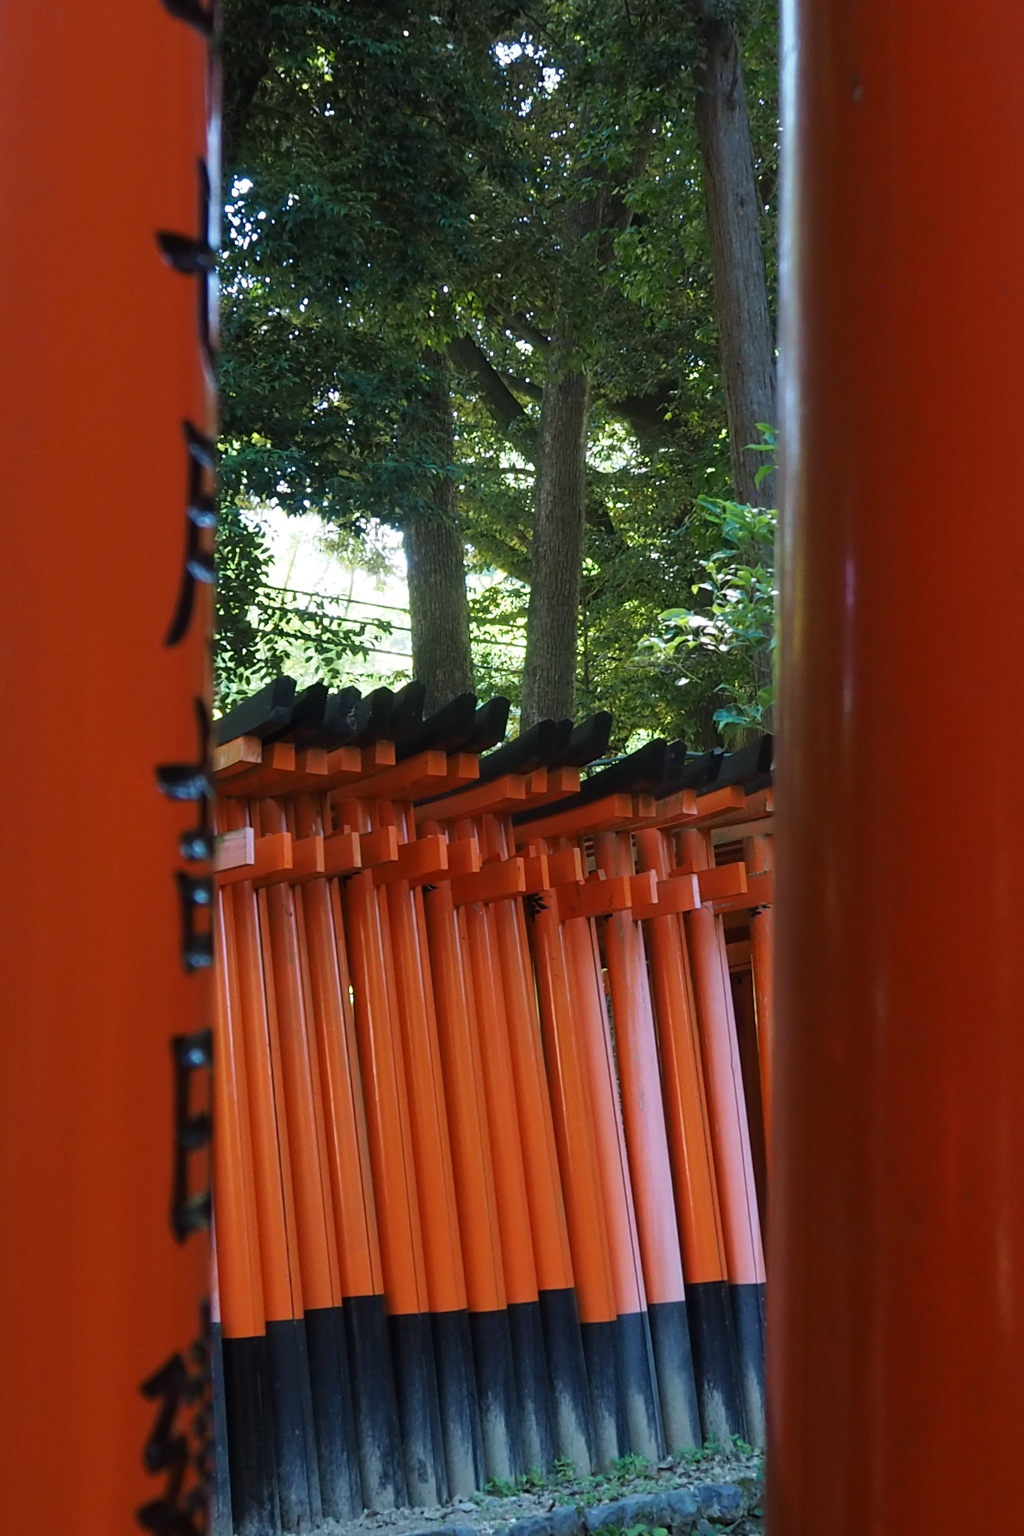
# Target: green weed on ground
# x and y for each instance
(713, 1462)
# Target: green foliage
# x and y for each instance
(356, 131)
(501, 1487)
(736, 613)
(262, 632)
(768, 444)
(633, 1474)
(313, 414)
(243, 560)
(497, 615)
(356, 135)
(399, 175)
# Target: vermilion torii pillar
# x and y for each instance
(896, 1323)
(105, 404)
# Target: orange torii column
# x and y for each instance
(105, 938)
(897, 1230)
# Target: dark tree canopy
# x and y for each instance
(521, 193)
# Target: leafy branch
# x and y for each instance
(736, 607)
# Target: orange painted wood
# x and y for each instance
(723, 1077)
(240, 1280)
(287, 980)
(310, 773)
(737, 953)
(725, 1098)
(348, 1156)
(588, 1003)
(650, 1174)
(270, 776)
(581, 818)
(733, 808)
(547, 784)
(676, 810)
(686, 1109)
(97, 375)
(760, 892)
(273, 859)
(758, 852)
(379, 847)
(428, 1112)
(719, 802)
(467, 1112)
(346, 764)
(897, 1229)
(343, 765)
(537, 872)
(533, 1103)
(343, 853)
(308, 858)
(593, 898)
(678, 894)
(720, 882)
(380, 754)
(464, 857)
(726, 1104)
(426, 773)
(279, 1259)
(511, 1199)
(400, 781)
(271, 864)
(643, 886)
(508, 942)
(507, 793)
(564, 865)
(234, 849)
(494, 882)
(237, 756)
(423, 860)
(383, 1073)
(573, 1123)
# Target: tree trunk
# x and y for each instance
(436, 568)
(549, 675)
(737, 258)
(745, 340)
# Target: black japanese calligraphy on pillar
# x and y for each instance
(179, 1447)
(200, 516)
(190, 1208)
(181, 1391)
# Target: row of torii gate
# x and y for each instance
(896, 1225)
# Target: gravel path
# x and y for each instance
(490, 1512)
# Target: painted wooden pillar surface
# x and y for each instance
(896, 1275)
(104, 929)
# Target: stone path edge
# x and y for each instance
(676, 1510)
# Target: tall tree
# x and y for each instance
(523, 193)
(590, 91)
(556, 565)
(355, 134)
(745, 331)
(735, 236)
(435, 563)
